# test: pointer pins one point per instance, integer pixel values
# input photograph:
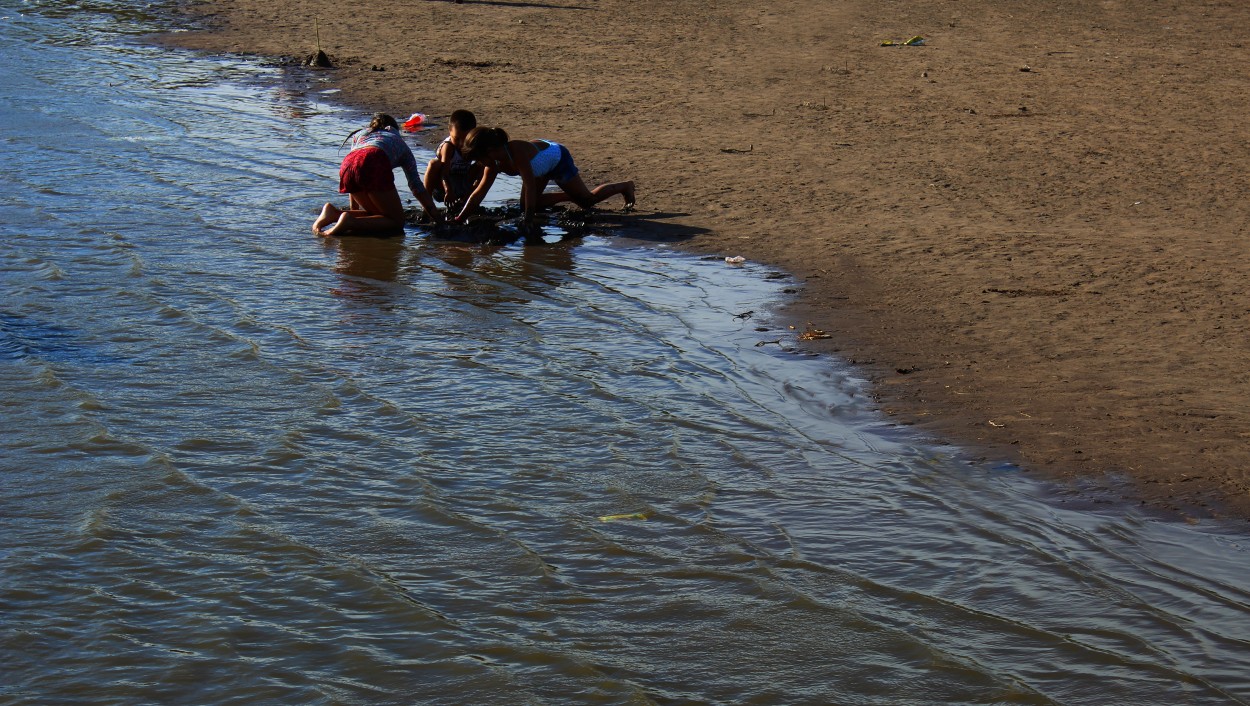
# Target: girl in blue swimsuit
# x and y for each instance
(537, 162)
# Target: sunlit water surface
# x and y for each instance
(244, 465)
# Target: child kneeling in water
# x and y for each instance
(537, 162)
(450, 176)
(367, 177)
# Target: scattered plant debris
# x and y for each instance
(812, 333)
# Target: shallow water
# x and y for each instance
(244, 465)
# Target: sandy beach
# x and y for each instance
(1028, 230)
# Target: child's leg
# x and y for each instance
(547, 199)
(577, 192)
(329, 214)
(384, 203)
(434, 176)
(380, 212)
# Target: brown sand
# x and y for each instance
(1030, 231)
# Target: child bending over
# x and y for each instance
(451, 176)
(537, 162)
(367, 177)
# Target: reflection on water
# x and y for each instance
(367, 265)
(244, 464)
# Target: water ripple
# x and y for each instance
(255, 465)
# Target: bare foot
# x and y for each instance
(629, 195)
(329, 214)
(342, 225)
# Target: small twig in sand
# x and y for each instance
(733, 150)
(320, 59)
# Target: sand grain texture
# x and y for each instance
(1040, 215)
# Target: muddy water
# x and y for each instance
(243, 465)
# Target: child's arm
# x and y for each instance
(427, 202)
(529, 193)
(408, 163)
(529, 186)
(475, 198)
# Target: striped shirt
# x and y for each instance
(397, 151)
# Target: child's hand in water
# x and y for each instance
(529, 229)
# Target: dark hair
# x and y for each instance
(482, 140)
(380, 121)
(464, 120)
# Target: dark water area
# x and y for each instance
(242, 464)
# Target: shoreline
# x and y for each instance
(1026, 232)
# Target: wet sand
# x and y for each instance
(1029, 231)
